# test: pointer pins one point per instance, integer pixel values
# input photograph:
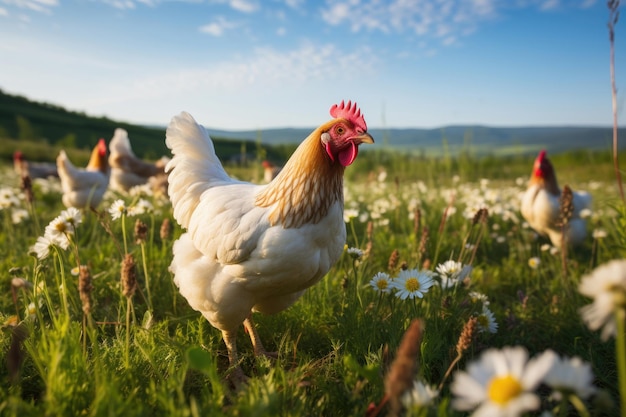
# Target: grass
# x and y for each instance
(147, 353)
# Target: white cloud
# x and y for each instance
(442, 20)
(218, 27)
(243, 6)
(265, 68)
(41, 6)
(3, 12)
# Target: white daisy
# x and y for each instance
(72, 216)
(449, 268)
(349, 214)
(476, 297)
(42, 247)
(59, 231)
(117, 209)
(487, 321)
(18, 215)
(412, 283)
(419, 395)
(534, 262)
(381, 282)
(570, 375)
(607, 286)
(355, 253)
(500, 383)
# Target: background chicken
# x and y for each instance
(270, 170)
(541, 206)
(258, 247)
(127, 170)
(84, 187)
(33, 169)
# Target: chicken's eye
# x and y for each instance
(339, 130)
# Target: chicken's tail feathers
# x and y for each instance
(194, 167)
(120, 143)
(64, 165)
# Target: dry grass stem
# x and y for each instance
(405, 366)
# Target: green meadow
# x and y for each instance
(80, 339)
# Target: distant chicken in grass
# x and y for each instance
(270, 170)
(127, 170)
(83, 188)
(541, 206)
(33, 169)
(258, 247)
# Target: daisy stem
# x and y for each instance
(620, 347)
(129, 305)
(124, 233)
(579, 405)
(145, 274)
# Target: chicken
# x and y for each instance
(84, 187)
(541, 206)
(254, 247)
(127, 170)
(33, 169)
(270, 170)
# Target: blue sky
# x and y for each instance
(252, 64)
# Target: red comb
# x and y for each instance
(542, 155)
(102, 147)
(349, 111)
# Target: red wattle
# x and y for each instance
(348, 155)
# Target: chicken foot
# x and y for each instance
(259, 349)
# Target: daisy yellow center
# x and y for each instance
(382, 284)
(483, 320)
(61, 227)
(503, 389)
(412, 284)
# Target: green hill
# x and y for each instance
(41, 129)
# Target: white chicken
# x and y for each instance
(127, 170)
(84, 188)
(254, 247)
(541, 206)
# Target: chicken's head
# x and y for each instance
(543, 167)
(342, 137)
(98, 160)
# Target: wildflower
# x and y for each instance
(19, 215)
(534, 262)
(419, 395)
(349, 214)
(393, 260)
(72, 216)
(59, 231)
(355, 253)
(545, 247)
(569, 376)
(475, 296)
(129, 276)
(599, 234)
(500, 383)
(165, 230)
(85, 288)
(117, 209)
(487, 321)
(607, 286)
(42, 247)
(31, 310)
(405, 365)
(412, 283)
(141, 232)
(381, 282)
(449, 268)
(142, 206)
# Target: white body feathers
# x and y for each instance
(231, 260)
(81, 187)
